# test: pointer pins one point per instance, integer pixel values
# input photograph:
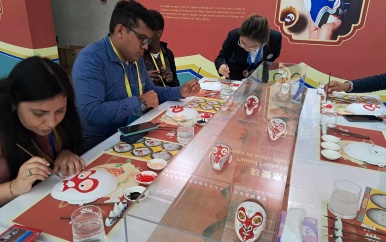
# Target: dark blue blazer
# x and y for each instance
(236, 57)
(370, 84)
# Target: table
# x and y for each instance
(9, 211)
(311, 180)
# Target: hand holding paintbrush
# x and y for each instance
(29, 170)
(224, 70)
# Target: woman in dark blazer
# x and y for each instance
(246, 47)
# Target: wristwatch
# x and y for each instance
(143, 103)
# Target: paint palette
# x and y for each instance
(330, 146)
(369, 153)
(331, 154)
(146, 177)
(133, 193)
(330, 138)
(157, 164)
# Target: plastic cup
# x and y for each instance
(185, 131)
(345, 199)
(87, 224)
(320, 88)
(328, 118)
(226, 92)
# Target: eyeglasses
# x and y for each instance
(242, 45)
(143, 38)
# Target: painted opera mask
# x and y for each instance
(85, 187)
(276, 128)
(250, 220)
(251, 105)
(219, 155)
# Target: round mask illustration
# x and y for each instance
(251, 105)
(377, 216)
(379, 200)
(162, 155)
(153, 142)
(143, 151)
(85, 187)
(250, 220)
(219, 155)
(207, 107)
(171, 146)
(121, 148)
(192, 105)
(199, 100)
(213, 102)
(276, 128)
(284, 91)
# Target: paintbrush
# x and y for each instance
(229, 78)
(357, 226)
(26, 151)
(359, 235)
(349, 133)
(328, 85)
(198, 72)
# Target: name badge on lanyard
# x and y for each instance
(127, 83)
(252, 64)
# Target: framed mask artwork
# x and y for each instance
(219, 155)
(251, 105)
(276, 128)
(85, 187)
(250, 220)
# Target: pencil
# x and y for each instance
(29, 153)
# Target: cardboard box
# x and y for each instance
(67, 56)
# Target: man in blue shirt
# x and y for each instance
(366, 84)
(110, 78)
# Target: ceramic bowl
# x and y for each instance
(330, 146)
(202, 122)
(131, 193)
(331, 154)
(146, 177)
(157, 164)
(330, 138)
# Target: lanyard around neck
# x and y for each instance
(52, 144)
(163, 64)
(127, 84)
(250, 64)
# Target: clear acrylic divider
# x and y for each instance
(193, 201)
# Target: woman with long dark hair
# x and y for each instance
(38, 117)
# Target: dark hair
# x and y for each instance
(128, 13)
(255, 27)
(34, 79)
(158, 19)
